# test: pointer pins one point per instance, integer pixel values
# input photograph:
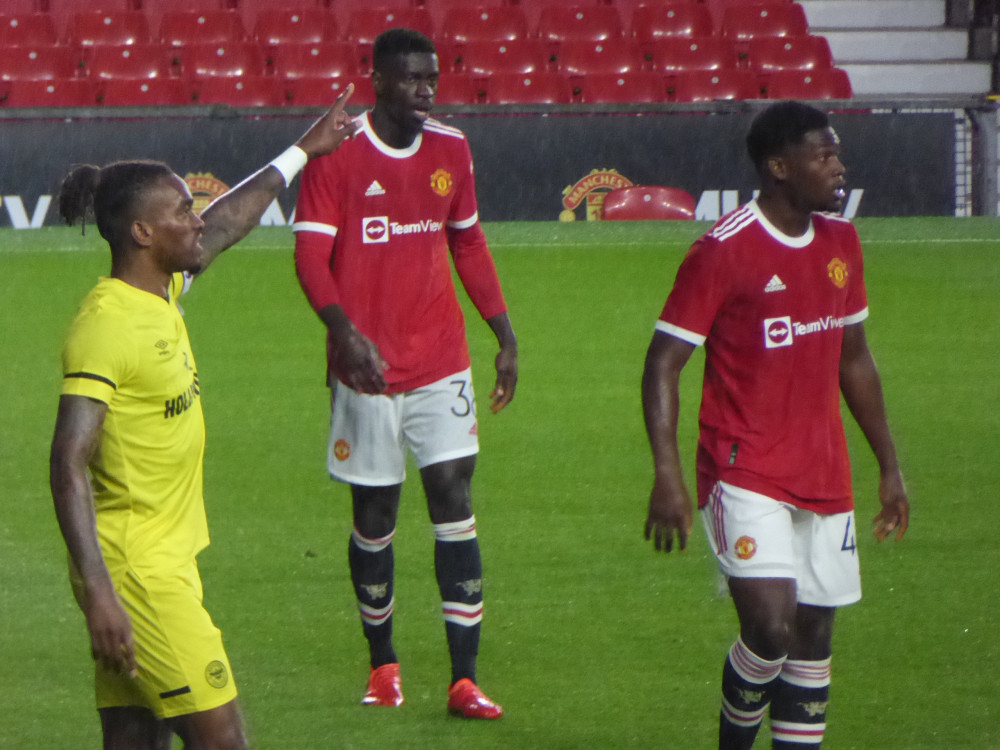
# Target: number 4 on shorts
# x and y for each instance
(849, 544)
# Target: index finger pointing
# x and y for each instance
(338, 105)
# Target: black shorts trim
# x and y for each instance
(174, 693)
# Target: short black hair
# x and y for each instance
(393, 42)
(111, 195)
(781, 125)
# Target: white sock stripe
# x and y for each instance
(456, 531)
(807, 674)
(743, 718)
(462, 607)
(751, 667)
(372, 545)
(788, 731)
(376, 615)
(462, 614)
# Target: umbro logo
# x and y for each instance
(374, 189)
(774, 285)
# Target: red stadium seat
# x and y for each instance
(768, 53)
(822, 83)
(366, 23)
(516, 56)
(533, 8)
(692, 53)
(558, 23)
(66, 8)
(535, 88)
(717, 8)
(744, 22)
(643, 202)
(27, 30)
(62, 11)
(242, 91)
(330, 60)
(344, 8)
(145, 92)
(20, 7)
(627, 7)
(653, 22)
(450, 55)
(614, 56)
(132, 61)
(478, 24)
(233, 59)
(183, 27)
(322, 92)
(53, 92)
(712, 85)
(644, 86)
(294, 26)
(98, 27)
(40, 63)
(458, 88)
(156, 9)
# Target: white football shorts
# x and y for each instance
(754, 536)
(370, 434)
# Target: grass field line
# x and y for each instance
(567, 245)
(540, 246)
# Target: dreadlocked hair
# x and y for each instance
(108, 195)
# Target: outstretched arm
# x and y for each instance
(77, 434)
(862, 389)
(670, 507)
(231, 216)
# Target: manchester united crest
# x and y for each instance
(342, 450)
(591, 189)
(745, 547)
(441, 182)
(836, 269)
(205, 188)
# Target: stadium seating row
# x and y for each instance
(455, 89)
(344, 59)
(199, 39)
(464, 22)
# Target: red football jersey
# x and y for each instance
(374, 226)
(770, 310)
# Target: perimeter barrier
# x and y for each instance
(536, 162)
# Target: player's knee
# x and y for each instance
(813, 639)
(133, 729)
(217, 729)
(450, 506)
(230, 737)
(375, 510)
(448, 489)
(770, 638)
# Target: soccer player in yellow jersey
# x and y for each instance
(126, 461)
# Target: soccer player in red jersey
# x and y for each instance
(775, 292)
(374, 228)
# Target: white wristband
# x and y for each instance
(290, 162)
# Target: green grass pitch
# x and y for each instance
(590, 640)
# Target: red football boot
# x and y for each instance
(467, 700)
(384, 687)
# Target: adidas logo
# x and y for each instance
(774, 285)
(374, 189)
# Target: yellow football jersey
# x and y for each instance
(129, 348)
